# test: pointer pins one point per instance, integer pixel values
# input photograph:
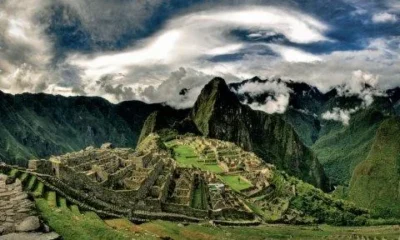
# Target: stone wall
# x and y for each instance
(185, 210)
(88, 187)
(41, 166)
(117, 176)
(165, 188)
(232, 213)
(149, 181)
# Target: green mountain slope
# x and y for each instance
(375, 181)
(342, 147)
(39, 125)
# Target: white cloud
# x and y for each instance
(357, 86)
(278, 104)
(257, 88)
(380, 58)
(339, 115)
(225, 49)
(291, 54)
(190, 39)
(159, 50)
(393, 5)
(278, 100)
(384, 17)
(170, 90)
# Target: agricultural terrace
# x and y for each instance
(186, 156)
(236, 182)
(212, 157)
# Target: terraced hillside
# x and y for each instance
(271, 194)
(67, 216)
(74, 221)
(209, 175)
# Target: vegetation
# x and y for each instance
(204, 231)
(287, 200)
(343, 147)
(40, 125)
(73, 225)
(293, 201)
(374, 184)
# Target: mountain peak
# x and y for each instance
(216, 84)
(215, 95)
(217, 91)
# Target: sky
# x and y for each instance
(150, 50)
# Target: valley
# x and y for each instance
(220, 168)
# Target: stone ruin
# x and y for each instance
(141, 185)
(233, 160)
(226, 154)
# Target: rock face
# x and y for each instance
(375, 181)
(14, 206)
(218, 114)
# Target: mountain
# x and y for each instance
(375, 181)
(219, 114)
(304, 104)
(339, 146)
(39, 125)
(342, 148)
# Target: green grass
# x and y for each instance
(24, 177)
(279, 231)
(38, 192)
(14, 173)
(236, 182)
(72, 225)
(51, 198)
(212, 168)
(31, 183)
(186, 157)
(75, 209)
(62, 202)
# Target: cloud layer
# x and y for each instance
(150, 50)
